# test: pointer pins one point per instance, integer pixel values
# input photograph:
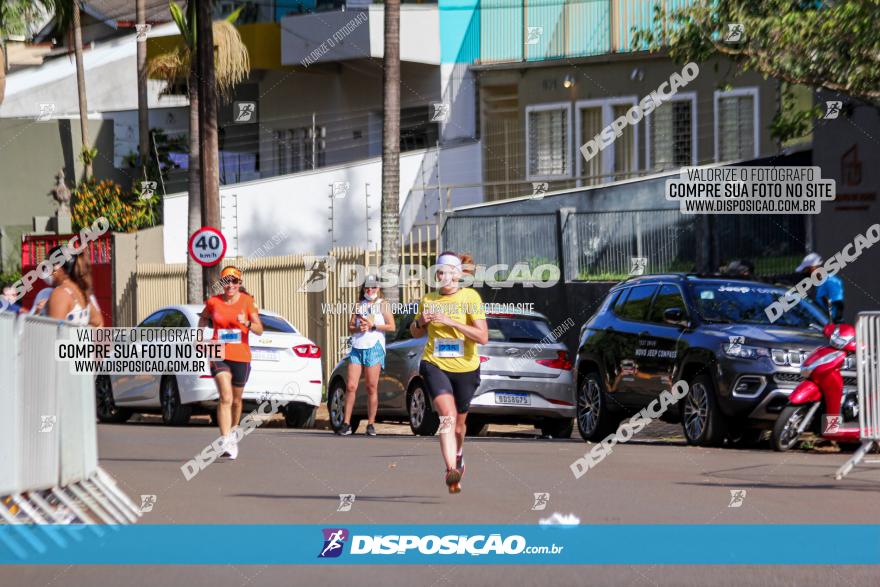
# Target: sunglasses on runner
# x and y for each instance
(232, 282)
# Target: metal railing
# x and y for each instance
(868, 372)
(49, 469)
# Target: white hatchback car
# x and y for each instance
(285, 366)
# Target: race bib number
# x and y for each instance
(448, 348)
(229, 336)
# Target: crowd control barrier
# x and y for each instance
(49, 471)
(868, 371)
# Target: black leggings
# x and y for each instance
(461, 386)
(239, 370)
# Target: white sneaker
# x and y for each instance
(232, 447)
(224, 446)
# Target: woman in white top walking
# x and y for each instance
(368, 324)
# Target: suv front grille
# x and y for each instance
(787, 378)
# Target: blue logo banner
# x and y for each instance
(286, 544)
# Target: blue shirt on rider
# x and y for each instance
(829, 292)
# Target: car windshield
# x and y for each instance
(518, 329)
(745, 303)
(274, 324)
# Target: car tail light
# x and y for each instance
(309, 351)
(483, 359)
(560, 362)
(559, 402)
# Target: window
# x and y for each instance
(518, 330)
(273, 324)
(548, 144)
(403, 333)
(619, 160)
(621, 300)
(736, 124)
(293, 149)
(174, 319)
(417, 130)
(668, 297)
(672, 132)
(636, 305)
(153, 320)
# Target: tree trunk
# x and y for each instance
(2, 70)
(391, 145)
(210, 164)
(143, 112)
(81, 87)
(194, 217)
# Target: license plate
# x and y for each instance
(265, 355)
(516, 399)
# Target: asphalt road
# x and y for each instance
(292, 476)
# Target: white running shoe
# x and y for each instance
(224, 446)
(232, 446)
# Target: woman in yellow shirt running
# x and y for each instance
(455, 322)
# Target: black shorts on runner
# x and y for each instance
(239, 369)
(462, 386)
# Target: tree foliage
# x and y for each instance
(823, 44)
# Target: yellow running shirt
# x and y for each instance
(447, 347)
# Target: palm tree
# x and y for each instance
(232, 65)
(87, 153)
(143, 110)
(391, 144)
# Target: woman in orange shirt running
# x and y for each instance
(234, 315)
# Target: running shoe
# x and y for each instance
(371, 431)
(224, 446)
(453, 479)
(232, 448)
(345, 430)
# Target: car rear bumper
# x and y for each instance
(203, 392)
(548, 398)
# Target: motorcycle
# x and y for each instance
(822, 392)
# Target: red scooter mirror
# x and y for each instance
(841, 336)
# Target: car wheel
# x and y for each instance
(594, 420)
(474, 426)
(701, 417)
(105, 405)
(298, 415)
(785, 431)
(336, 405)
(173, 412)
(422, 419)
(557, 427)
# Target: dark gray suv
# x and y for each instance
(712, 332)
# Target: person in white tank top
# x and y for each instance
(72, 299)
(368, 324)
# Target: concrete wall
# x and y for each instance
(846, 150)
(31, 153)
(298, 205)
(130, 249)
(303, 34)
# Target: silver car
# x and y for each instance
(525, 378)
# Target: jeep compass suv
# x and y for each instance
(713, 333)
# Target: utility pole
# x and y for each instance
(314, 141)
(143, 112)
(210, 164)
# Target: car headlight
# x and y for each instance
(744, 351)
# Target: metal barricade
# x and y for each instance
(868, 371)
(48, 436)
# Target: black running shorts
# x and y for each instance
(461, 386)
(239, 370)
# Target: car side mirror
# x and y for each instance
(676, 316)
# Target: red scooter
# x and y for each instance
(822, 392)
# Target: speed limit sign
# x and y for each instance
(207, 246)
